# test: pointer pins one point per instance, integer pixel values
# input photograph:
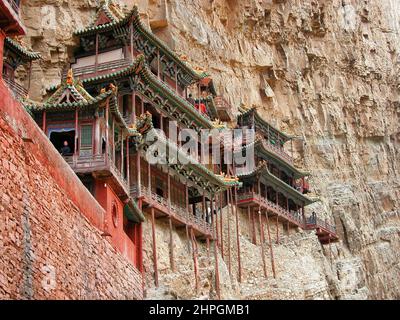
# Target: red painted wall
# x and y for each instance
(114, 227)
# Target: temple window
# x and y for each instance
(114, 214)
(86, 139)
(59, 136)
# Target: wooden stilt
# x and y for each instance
(221, 224)
(229, 230)
(249, 224)
(271, 249)
(238, 238)
(215, 200)
(217, 287)
(153, 230)
(208, 248)
(171, 246)
(262, 242)
(277, 229)
(194, 251)
(254, 227)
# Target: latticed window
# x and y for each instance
(86, 136)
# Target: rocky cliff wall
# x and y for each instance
(325, 71)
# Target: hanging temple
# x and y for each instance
(124, 82)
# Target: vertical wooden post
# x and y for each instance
(238, 238)
(121, 170)
(113, 140)
(44, 122)
(254, 227)
(76, 131)
(270, 245)
(249, 224)
(127, 162)
(107, 131)
(277, 229)
(153, 231)
(217, 288)
(171, 245)
(158, 64)
(133, 117)
(194, 251)
(221, 223)
(96, 61)
(188, 213)
(131, 39)
(262, 241)
(215, 198)
(138, 174)
(229, 231)
(149, 179)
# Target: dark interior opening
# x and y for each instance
(58, 138)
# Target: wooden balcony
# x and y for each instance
(102, 68)
(101, 168)
(224, 109)
(18, 91)
(179, 215)
(251, 199)
(326, 232)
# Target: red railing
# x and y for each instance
(293, 216)
(313, 222)
(221, 103)
(17, 90)
(175, 210)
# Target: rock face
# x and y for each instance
(325, 71)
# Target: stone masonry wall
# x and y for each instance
(48, 248)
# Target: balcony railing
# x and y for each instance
(279, 151)
(221, 103)
(101, 67)
(18, 91)
(15, 5)
(81, 163)
(315, 222)
(174, 210)
(293, 216)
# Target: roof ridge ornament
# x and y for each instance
(70, 77)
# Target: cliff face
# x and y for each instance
(326, 71)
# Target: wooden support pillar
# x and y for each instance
(217, 287)
(107, 131)
(271, 249)
(153, 231)
(238, 239)
(215, 198)
(121, 169)
(262, 242)
(113, 140)
(221, 223)
(127, 162)
(76, 131)
(158, 64)
(44, 122)
(194, 252)
(277, 229)
(171, 246)
(249, 224)
(142, 107)
(229, 231)
(253, 227)
(208, 249)
(138, 174)
(330, 249)
(187, 211)
(133, 115)
(149, 178)
(96, 61)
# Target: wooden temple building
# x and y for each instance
(117, 98)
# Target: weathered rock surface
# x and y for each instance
(326, 71)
